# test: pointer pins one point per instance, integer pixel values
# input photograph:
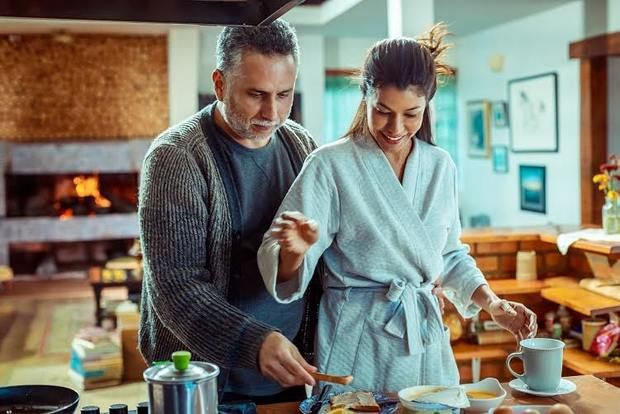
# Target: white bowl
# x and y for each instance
(406, 395)
(491, 385)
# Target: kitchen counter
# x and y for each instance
(592, 396)
(546, 234)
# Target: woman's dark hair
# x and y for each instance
(403, 62)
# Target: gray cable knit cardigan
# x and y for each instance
(187, 226)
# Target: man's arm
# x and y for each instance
(175, 225)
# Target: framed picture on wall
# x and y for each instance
(532, 187)
(533, 113)
(478, 128)
(500, 114)
(500, 159)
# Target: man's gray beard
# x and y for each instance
(243, 128)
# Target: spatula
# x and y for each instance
(335, 379)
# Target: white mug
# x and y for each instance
(542, 363)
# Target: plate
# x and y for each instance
(389, 405)
(565, 387)
(518, 409)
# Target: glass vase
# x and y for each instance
(611, 216)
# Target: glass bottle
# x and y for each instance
(611, 216)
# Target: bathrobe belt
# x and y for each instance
(417, 308)
(416, 316)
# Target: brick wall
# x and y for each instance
(82, 87)
(497, 259)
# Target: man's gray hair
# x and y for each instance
(276, 38)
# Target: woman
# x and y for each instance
(380, 207)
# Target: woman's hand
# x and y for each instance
(514, 317)
(295, 233)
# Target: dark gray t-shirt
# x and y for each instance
(262, 177)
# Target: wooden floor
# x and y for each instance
(26, 354)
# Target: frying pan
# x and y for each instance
(38, 399)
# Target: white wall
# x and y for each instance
(613, 23)
(533, 45)
(311, 83)
(206, 58)
(613, 130)
(347, 52)
(613, 15)
(183, 51)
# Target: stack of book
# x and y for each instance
(492, 333)
(96, 359)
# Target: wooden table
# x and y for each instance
(593, 396)
(96, 283)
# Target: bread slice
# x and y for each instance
(359, 401)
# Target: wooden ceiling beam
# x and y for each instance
(598, 46)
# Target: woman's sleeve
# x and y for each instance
(461, 276)
(313, 194)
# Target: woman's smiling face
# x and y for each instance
(395, 116)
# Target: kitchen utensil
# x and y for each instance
(335, 379)
(182, 387)
(490, 385)
(542, 363)
(565, 387)
(48, 399)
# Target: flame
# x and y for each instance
(67, 214)
(89, 186)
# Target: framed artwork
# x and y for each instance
(532, 187)
(500, 114)
(500, 158)
(478, 128)
(533, 113)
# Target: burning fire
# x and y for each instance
(89, 186)
(85, 186)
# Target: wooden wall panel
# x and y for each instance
(82, 87)
(593, 79)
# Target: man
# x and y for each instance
(210, 188)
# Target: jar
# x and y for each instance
(549, 321)
(564, 319)
(611, 216)
(182, 387)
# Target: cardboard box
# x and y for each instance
(133, 363)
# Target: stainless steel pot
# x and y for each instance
(181, 387)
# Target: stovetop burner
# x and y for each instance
(141, 408)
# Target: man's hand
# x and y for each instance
(281, 361)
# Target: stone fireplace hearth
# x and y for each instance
(25, 166)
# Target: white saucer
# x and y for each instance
(565, 387)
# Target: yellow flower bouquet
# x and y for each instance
(609, 183)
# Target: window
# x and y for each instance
(342, 97)
(446, 117)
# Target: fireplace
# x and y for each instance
(68, 195)
(68, 206)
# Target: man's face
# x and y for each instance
(257, 94)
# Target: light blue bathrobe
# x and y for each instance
(384, 244)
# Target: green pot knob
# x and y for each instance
(181, 360)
